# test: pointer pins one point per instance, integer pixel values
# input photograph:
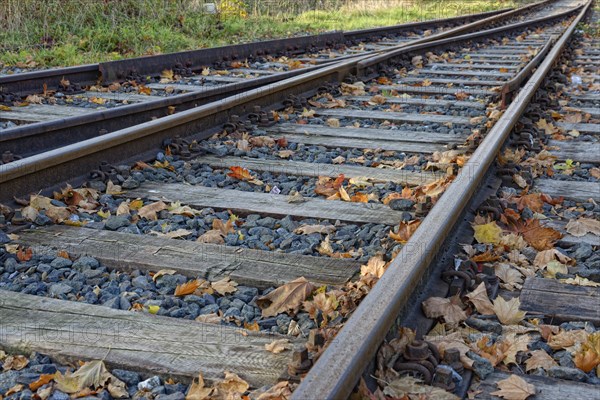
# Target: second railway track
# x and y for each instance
(326, 185)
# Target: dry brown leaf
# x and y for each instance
(149, 211)
(232, 386)
(15, 363)
(280, 391)
(448, 308)
(539, 359)
(405, 230)
(163, 272)
(582, 226)
(375, 266)
(567, 339)
(187, 288)
(326, 303)
(113, 189)
(542, 258)
(224, 286)
(213, 236)
(279, 345)
(588, 357)
(480, 299)
(198, 391)
(285, 299)
(179, 233)
(508, 311)
(514, 388)
(510, 277)
(539, 237)
(308, 229)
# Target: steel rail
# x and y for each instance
(32, 82)
(139, 141)
(340, 366)
(34, 138)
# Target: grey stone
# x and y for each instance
(4, 238)
(149, 384)
(401, 204)
(59, 289)
(583, 251)
(8, 379)
(58, 395)
(485, 325)
(571, 374)
(130, 183)
(481, 366)
(141, 282)
(115, 222)
(172, 396)
(86, 262)
(60, 262)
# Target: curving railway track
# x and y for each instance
(291, 233)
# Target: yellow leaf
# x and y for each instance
(279, 345)
(153, 309)
(488, 233)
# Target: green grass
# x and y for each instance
(72, 32)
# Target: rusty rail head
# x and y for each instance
(340, 366)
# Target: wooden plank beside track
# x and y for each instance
(560, 301)
(268, 204)
(71, 331)
(126, 252)
(301, 168)
(581, 191)
(546, 388)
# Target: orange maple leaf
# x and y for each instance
(240, 173)
(187, 288)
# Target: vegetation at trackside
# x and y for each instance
(71, 32)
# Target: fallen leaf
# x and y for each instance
(578, 280)
(539, 237)
(333, 122)
(539, 359)
(285, 299)
(209, 318)
(543, 257)
(582, 226)
(198, 391)
(179, 233)
(488, 233)
(408, 387)
(15, 363)
(15, 389)
(91, 374)
(588, 357)
(508, 311)
(295, 198)
(480, 300)
(514, 388)
(448, 308)
(281, 391)
(187, 288)
(232, 386)
(224, 286)
(24, 254)
(279, 345)
(163, 272)
(244, 175)
(150, 211)
(510, 277)
(405, 230)
(309, 229)
(214, 236)
(375, 266)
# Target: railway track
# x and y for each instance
(138, 90)
(324, 180)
